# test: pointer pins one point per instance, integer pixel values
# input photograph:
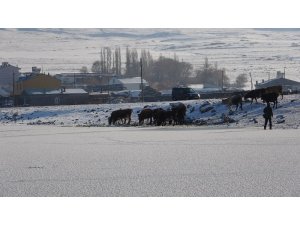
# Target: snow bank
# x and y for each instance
(199, 112)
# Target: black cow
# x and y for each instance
(274, 89)
(161, 117)
(145, 114)
(178, 111)
(270, 97)
(121, 114)
(253, 94)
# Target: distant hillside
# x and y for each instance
(259, 51)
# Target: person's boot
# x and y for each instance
(264, 127)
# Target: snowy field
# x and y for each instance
(209, 112)
(154, 161)
(71, 151)
(259, 51)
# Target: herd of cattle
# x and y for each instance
(158, 116)
(269, 94)
(176, 113)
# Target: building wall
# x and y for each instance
(53, 99)
(40, 81)
(6, 75)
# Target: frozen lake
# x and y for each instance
(154, 161)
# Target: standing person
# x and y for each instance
(268, 114)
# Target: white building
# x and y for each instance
(287, 84)
(133, 83)
(7, 72)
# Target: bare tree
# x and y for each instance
(84, 69)
(117, 57)
(132, 62)
(96, 67)
(108, 60)
(148, 62)
(211, 75)
(241, 80)
(128, 62)
(168, 72)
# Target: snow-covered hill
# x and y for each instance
(259, 51)
(199, 113)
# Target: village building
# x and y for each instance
(132, 83)
(62, 96)
(5, 99)
(36, 82)
(288, 86)
(8, 74)
(36, 89)
(91, 82)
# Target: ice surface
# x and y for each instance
(152, 161)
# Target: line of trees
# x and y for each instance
(164, 72)
(109, 63)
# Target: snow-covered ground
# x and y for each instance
(154, 161)
(259, 51)
(78, 154)
(199, 113)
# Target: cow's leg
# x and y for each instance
(129, 119)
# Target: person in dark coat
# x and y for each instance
(268, 114)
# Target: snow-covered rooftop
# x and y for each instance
(56, 91)
(133, 80)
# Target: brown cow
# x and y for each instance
(145, 114)
(121, 114)
(234, 100)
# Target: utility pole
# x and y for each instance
(14, 100)
(222, 79)
(251, 81)
(74, 84)
(284, 72)
(142, 85)
(108, 89)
